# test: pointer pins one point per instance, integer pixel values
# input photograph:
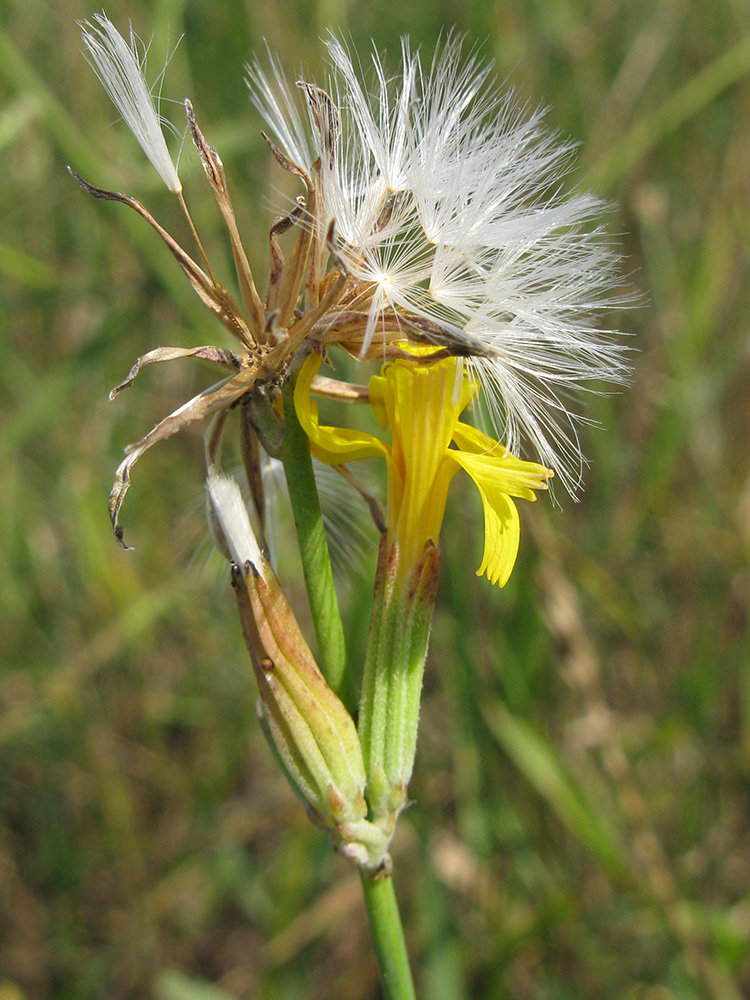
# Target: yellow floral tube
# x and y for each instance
(420, 403)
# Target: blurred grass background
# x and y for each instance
(581, 828)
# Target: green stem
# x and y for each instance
(316, 561)
(388, 933)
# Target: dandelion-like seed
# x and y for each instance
(118, 66)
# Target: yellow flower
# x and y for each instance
(420, 403)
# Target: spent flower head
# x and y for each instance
(433, 213)
(451, 217)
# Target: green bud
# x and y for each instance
(397, 650)
(307, 724)
(311, 730)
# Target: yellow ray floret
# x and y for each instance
(420, 403)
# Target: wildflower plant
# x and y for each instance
(431, 234)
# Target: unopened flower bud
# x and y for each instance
(389, 712)
(309, 726)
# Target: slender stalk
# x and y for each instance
(316, 561)
(388, 933)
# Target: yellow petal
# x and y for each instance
(502, 528)
(333, 445)
(498, 478)
(509, 475)
(471, 439)
(502, 533)
(422, 404)
(490, 459)
(376, 391)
